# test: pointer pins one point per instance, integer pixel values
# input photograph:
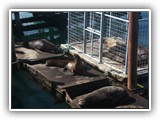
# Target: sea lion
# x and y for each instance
(105, 97)
(76, 66)
(142, 56)
(142, 53)
(109, 42)
(42, 45)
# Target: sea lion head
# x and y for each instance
(86, 101)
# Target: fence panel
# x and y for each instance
(85, 29)
(75, 28)
(143, 39)
(115, 40)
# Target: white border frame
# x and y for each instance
(78, 10)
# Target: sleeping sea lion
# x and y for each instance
(105, 97)
(42, 45)
(76, 66)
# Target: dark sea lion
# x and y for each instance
(76, 66)
(42, 45)
(106, 97)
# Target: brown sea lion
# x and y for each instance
(76, 66)
(42, 45)
(106, 97)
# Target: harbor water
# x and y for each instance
(28, 94)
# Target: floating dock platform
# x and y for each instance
(69, 88)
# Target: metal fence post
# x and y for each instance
(19, 30)
(110, 25)
(132, 50)
(68, 27)
(92, 35)
(101, 37)
(84, 31)
(126, 59)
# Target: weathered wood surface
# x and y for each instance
(64, 80)
(54, 79)
(72, 88)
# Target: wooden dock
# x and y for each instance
(64, 86)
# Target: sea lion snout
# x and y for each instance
(80, 102)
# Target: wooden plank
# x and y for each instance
(90, 80)
(56, 74)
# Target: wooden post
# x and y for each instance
(15, 64)
(132, 50)
(18, 32)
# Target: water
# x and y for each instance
(28, 94)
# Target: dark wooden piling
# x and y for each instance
(15, 63)
(132, 50)
(14, 58)
(18, 26)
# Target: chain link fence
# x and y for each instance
(104, 35)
